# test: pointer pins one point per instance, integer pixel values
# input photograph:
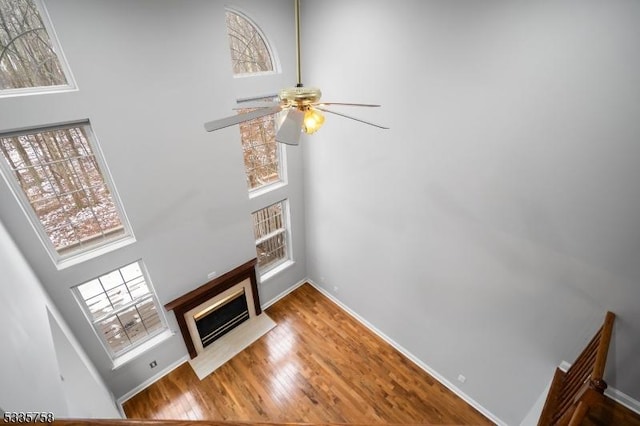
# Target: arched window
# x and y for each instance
(249, 51)
(30, 58)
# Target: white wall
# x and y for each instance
(38, 349)
(30, 379)
(491, 228)
(150, 73)
(83, 389)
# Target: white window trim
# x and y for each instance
(255, 74)
(282, 152)
(138, 348)
(266, 276)
(282, 166)
(258, 192)
(64, 64)
(276, 268)
(65, 261)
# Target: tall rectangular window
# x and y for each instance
(261, 153)
(56, 175)
(122, 308)
(271, 233)
(30, 57)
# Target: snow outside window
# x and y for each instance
(122, 307)
(58, 177)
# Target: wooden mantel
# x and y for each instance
(188, 301)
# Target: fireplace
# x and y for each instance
(222, 317)
(216, 308)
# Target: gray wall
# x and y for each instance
(30, 364)
(491, 228)
(28, 359)
(487, 231)
(150, 73)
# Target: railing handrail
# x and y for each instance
(582, 385)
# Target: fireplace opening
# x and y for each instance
(220, 318)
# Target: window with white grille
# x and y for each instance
(265, 160)
(58, 177)
(122, 308)
(271, 233)
(30, 58)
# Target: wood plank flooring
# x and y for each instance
(611, 413)
(318, 365)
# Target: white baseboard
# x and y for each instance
(613, 393)
(411, 357)
(284, 293)
(623, 399)
(142, 386)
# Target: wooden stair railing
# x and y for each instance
(141, 422)
(573, 392)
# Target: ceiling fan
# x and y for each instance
(300, 105)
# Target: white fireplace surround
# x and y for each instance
(190, 315)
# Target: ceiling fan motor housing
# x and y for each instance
(300, 96)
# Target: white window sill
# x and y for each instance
(276, 270)
(255, 74)
(139, 350)
(99, 251)
(42, 90)
(266, 189)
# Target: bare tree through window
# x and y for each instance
(270, 231)
(27, 55)
(260, 150)
(58, 173)
(249, 51)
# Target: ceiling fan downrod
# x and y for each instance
(296, 9)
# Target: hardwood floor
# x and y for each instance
(611, 413)
(318, 365)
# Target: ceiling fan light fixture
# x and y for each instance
(313, 120)
(300, 106)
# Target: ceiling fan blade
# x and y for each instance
(345, 104)
(256, 104)
(289, 132)
(352, 118)
(239, 118)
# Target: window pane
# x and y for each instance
(132, 324)
(260, 150)
(90, 289)
(27, 56)
(249, 52)
(126, 296)
(138, 287)
(119, 296)
(99, 305)
(267, 220)
(113, 334)
(271, 251)
(60, 177)
(269, 228)
(111, 280)
(149, 315)
(130, 272)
